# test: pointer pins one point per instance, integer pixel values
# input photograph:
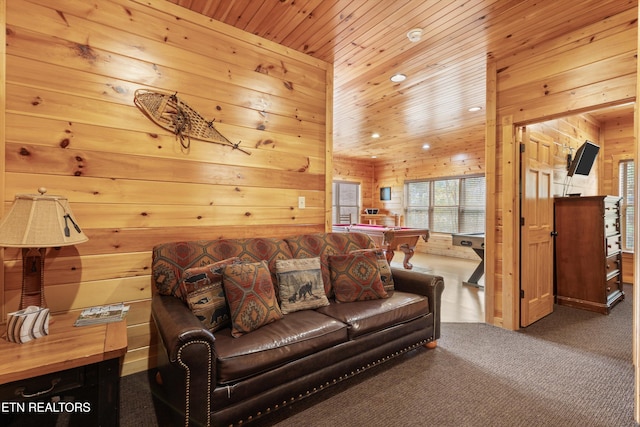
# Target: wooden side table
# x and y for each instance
(74, 372)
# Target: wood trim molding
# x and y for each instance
(328, 171)
(510, 245)
(491, 201)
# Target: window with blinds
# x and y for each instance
(346, 202)
(626, 176)
(455, 205)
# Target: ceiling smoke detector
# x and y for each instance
(415, 35)
(397, 78)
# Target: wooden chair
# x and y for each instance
(345, 219)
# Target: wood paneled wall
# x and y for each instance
(618, 135)
(72, 126)
(592, 67)
(619, 145)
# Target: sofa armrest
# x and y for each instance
(189, 369)
(425, 284)
(177, 325)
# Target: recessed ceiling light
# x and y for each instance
(425, 146)
(375, 135)
(397, 78)
(414, 35)
(473, 109)
(374, 157)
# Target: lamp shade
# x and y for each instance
(40, 221)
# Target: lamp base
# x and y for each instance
(32, 278)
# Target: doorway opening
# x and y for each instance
(613, 130)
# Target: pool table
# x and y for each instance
(389, 238)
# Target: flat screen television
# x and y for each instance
(584, 158)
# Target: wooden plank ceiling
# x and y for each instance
(367, 42)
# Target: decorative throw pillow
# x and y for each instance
(356, 277)
(198, 277)
(385, 269)
(202, 290)
(300, 284)
(251, 297)
(209, 306)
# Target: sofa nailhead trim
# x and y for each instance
(188, 381)
(342, 377)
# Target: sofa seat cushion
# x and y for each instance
(364, 317)
(294, 336)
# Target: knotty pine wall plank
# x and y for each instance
(70, 162)
(101, 190)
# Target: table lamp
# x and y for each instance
(36, 222)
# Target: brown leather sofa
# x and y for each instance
(218, 379)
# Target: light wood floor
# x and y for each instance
(460, 303)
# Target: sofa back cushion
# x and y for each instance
(170, 260)
(325, 244)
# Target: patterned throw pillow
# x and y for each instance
(198, 277)
(202, 290)
(300, 284)
(356, 277)
(385, 269)
(251, 296)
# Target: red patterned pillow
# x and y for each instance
(251, 296)
(385, 269)
(356, 277)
